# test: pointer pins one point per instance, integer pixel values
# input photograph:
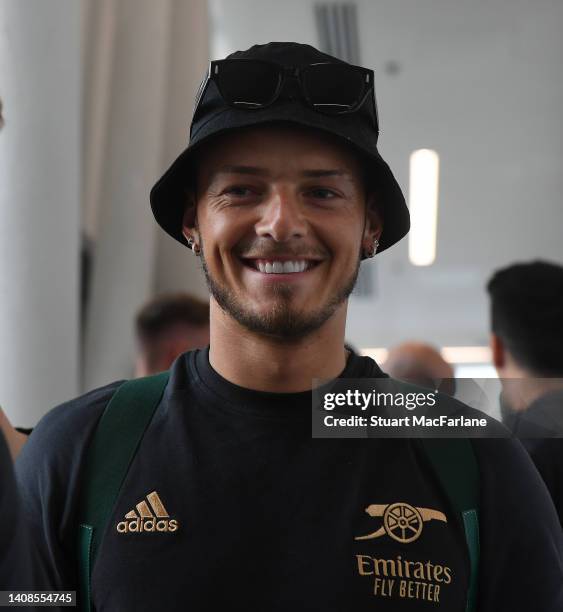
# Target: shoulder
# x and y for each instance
(547, 455)
(62, 434)
(521, 539)
(510, 479)
(72, 418)
(504, 457)
(542, 419)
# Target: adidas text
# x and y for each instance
(147, 525)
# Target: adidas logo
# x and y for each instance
(151, 517)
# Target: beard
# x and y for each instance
(282, 321)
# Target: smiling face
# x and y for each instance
(281, 220)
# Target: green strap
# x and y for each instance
(471, 526)
(108, 458)
(84, 555)
(453, 460)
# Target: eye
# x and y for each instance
(240, 191)
(322, 193)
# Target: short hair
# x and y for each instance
(527, 314)
(168, 310)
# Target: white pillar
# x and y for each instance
(39, 205)
(126, 230)
(176, 268)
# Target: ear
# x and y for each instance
(498, 351)
(374, 223)
(189, 220)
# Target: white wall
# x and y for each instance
(480, 83)
(144, 60)
(39, 205)
(175, 267)
(126, 237)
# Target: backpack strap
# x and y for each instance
(455, 465)
(111, 452)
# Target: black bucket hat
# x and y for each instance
(214, 117)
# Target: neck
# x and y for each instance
(522, 392)
(265, 363)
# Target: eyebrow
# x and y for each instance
(256, 171)
(241, 170)
(321, 173)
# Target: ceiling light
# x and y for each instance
(423, 206)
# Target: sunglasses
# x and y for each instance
(329, 88)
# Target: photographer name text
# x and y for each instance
(408, 421)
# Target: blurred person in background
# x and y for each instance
(167, 326)
(227, 501)
(527, 352)
(420, 364)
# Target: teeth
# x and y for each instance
(282, 267)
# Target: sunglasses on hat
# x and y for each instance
(329, 88)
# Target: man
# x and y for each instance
(527, 351)
(168, 326)
(281, 193)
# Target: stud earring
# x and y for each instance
(373, 249)
(193, 246)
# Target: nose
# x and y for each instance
(282, 217)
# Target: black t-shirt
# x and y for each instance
(229, 504)
(540, 428)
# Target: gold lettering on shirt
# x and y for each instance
(404, 579)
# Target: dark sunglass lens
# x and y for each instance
(247, 84)
(334, 87)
